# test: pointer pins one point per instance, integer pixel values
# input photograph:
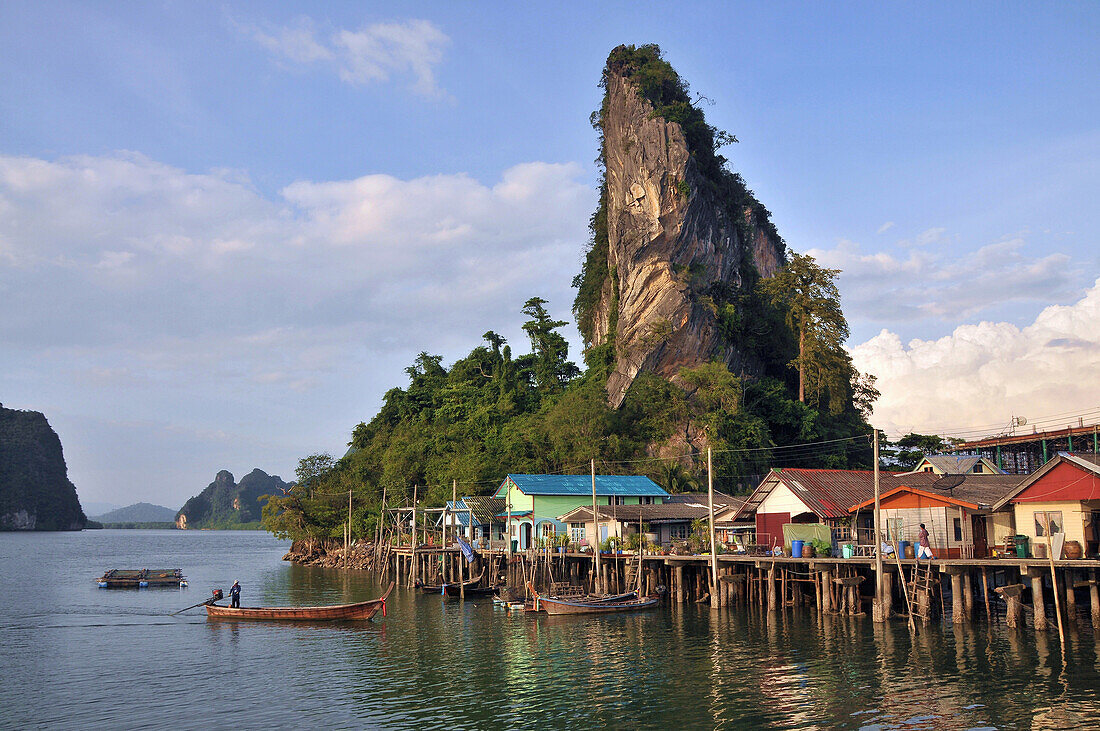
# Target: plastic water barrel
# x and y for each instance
(900, 547)
(846, 550)
(796, 548)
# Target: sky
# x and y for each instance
(226, 229)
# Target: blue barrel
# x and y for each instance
(796, 548)
(900, 547)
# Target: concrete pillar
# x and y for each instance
(773, 601)
(957, 604)
(1071, 597)
(679, 580)
(1037, 604)
(887, 595)
(1094, 601)
(827, 591)
(968, 594)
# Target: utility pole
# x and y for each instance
(596, 532)
(878, 613)
(713, 545)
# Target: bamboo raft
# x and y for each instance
(141, 578)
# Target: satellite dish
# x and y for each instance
(948, 482)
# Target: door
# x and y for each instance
(981, 546)
(525, 536)
(769, 528)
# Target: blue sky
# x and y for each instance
(231, 226)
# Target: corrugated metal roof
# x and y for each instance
(956, 464)
(485, 508)
(983, 490)
(634, 513)
(629, 485)
(700, 498)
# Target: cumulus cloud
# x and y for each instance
(373, 54)
(988, 370)
(123, 254)
(945, 283)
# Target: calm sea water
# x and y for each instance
(75, 656)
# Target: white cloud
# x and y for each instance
(373, 54)
(123, 251)
(885, 227)
(991, 370)
(944, 283)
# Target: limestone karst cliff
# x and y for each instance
(35, 491)
(677, 235)
(225, 503)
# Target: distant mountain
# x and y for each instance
(226, 504)
(99, 508)
(35, 492)
(138, 513)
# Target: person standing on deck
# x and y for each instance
(923, 549)
(235, 595)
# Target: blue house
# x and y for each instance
(535, 501)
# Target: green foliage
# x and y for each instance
(822, 549)
(33, 475)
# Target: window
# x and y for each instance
(958, 530)
(647, 501)
(547, 529)
(678, 530)
(927, 469)
(978, 468)
(1048, 522)
(893, 529)
(576, 532)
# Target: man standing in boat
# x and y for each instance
(235, 595)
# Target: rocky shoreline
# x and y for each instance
(329, 553)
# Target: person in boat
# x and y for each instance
(235, 595)
(923, 549)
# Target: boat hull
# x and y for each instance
(336, 612)
(565, 606)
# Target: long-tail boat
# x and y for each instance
(357, 611)
(453, 589)
(591, 604)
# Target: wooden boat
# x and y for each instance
(357, 611)
(453, 589)
(574, 606)
(141, 578)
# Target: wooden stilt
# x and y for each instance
(985, 593)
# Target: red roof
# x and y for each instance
(827, 493)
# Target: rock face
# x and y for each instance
(225, 504)
(671, 242)
(35, 492)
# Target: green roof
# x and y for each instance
(622, 485)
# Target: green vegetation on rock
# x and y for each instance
(35, 491)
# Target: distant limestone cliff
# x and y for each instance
(35, 492)
(226, 504)
(677, 237)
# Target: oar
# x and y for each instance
(217, 595)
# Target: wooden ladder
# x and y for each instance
(921, 583)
